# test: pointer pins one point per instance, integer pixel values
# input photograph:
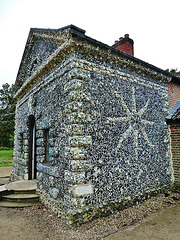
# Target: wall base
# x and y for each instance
(78, 216)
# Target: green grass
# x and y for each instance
(6, 158)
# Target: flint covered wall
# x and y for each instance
(108, 138)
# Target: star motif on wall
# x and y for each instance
(135, 120)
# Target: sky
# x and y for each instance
(152, 24)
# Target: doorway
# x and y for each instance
(32, 149)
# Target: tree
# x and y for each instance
(7, 115)
(174, 71)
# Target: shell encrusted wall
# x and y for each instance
(108, 138)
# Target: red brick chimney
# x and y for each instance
(125, 44)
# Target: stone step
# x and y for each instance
(17, 197)
(17, 204)
(4, 191)
(25, 191)
(19, 194)
(30, 185)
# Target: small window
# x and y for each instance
(46, 145)
(21, 144)
(34, 65)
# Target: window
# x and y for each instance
(21, 144)
(34, 65)
(46, 145)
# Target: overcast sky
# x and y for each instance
(152, 24)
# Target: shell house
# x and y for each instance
(90, 124)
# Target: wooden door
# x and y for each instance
(32, 149)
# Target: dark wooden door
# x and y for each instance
(32, 149)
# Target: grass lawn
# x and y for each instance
(6, 158)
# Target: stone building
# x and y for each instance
(173, 121)
(90, 124)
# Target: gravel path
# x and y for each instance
(162, 226)
(4, 175)
(38, 223)
(156, 219)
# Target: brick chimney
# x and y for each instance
(125, 44)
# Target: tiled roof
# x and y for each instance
(175, 112)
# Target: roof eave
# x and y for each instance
(79, 34)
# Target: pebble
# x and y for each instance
(54, 228)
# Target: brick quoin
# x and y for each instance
(175, 150)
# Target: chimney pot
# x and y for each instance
(125, 44)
